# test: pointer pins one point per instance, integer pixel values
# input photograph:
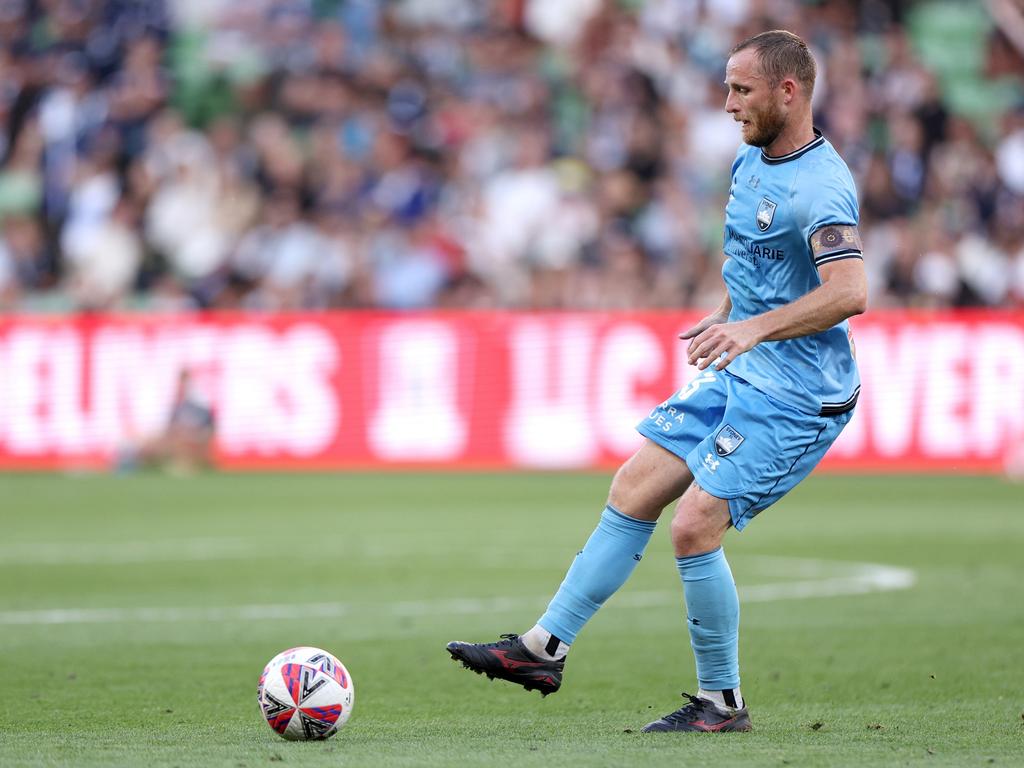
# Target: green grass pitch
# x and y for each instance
(136, 614)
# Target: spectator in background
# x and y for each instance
(291, 154)
(102, 262)
(1009, 152)
(185, 444)
(23, 249)
(21, 178)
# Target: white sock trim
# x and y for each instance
(536, 641)
(719, 699)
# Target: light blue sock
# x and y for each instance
(604, 564)
(713, 617)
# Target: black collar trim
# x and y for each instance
(817, 141)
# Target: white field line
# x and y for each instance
(858, 579)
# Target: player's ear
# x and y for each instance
(789, 89)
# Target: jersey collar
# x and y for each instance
(817, 141)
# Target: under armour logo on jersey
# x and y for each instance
(765, 214)
(754, 181)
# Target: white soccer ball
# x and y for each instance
(306, 693)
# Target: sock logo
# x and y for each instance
(638, 556)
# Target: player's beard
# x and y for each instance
(765, 126)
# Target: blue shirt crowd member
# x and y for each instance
(775, 383)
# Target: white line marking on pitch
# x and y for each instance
(856, 579)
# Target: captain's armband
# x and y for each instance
(834, 242)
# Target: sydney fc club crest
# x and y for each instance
(728, 440)
(765, 214)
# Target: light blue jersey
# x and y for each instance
(775, 205)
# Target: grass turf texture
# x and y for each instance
(929, 676)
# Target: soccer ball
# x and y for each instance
(306, 693)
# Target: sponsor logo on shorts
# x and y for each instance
(728, 440)
(711, 462)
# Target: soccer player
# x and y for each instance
(776, 384)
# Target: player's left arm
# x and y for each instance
(843, 293)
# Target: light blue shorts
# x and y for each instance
(739, 443)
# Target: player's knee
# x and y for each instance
(694, 533)
(626, 494)
(622, 495)
(686, 535)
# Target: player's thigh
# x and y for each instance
(761, 450)
(657, 474)
(651, 479)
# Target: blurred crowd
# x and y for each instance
(171, 155)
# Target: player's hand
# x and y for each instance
(721, 343)
(702, 325)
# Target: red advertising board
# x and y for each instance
(941, 392)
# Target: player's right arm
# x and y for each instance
(841, 294)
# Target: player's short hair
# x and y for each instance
(782, 54)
